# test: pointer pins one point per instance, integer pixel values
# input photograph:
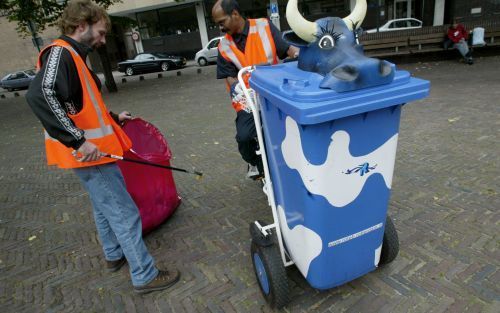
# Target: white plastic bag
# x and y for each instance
(478, 37)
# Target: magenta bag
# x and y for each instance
(152, 188)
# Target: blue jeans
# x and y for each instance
(117, 220)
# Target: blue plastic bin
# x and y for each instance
(331, 157)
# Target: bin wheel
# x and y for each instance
(271, 274)
(390, 244)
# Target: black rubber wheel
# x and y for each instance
(271, 274)
(390, 244)
(202, 62)
(165, 66)
(129, 71)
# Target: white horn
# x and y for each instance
(302, 27)
(357, 15)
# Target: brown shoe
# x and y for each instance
(164, 280)
(113, 266)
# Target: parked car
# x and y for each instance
(209, 53)
(151, 62)
(398, 24)
(17, 80)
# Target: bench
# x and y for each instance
(429, 39)
(386, 46)
(421, 40)
(492, 35)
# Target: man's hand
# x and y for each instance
(125, 115)
(293, 52)
(87, 152)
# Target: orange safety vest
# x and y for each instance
(94, 119)
(259, 49)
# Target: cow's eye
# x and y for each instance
(326, 42)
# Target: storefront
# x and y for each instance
(183, 28)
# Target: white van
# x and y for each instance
(209, 53)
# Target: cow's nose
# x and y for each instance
(345, 72)
(384, 68)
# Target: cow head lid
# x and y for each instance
(330, 47)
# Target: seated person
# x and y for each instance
(457, 37)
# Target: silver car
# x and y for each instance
(398, 24)
(17, 80)
(209, 53)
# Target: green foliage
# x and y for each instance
(40, 13)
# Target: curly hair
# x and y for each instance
(80, 11)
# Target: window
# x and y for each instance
(178, 20)
(17, 75)
(144, 56)
(148, 24)
(213, 44)
(414, 23)
(401, 24)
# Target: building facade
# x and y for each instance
(183, 27)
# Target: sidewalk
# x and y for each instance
(444, 203)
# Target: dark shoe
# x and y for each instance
(113, 266)
(164, 280)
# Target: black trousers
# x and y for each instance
(246, 137)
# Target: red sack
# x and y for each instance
(152, 188)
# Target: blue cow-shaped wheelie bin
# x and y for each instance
(330, 127)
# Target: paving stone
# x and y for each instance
(444, 204)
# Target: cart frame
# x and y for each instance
(254, 104)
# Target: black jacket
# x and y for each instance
(56, 92)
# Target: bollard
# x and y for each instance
(141, 77)
(124, 80)
(198, 71)
(160, 75)
(178, 73)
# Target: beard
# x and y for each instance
(88, 39)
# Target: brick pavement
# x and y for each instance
(444, 203)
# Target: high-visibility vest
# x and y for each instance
(259, 48)
(94, 119)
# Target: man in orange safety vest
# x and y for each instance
(79, 131)
(246, 42)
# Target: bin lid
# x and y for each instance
(297, 93)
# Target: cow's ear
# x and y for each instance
(292, 38)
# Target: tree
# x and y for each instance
(33, 16)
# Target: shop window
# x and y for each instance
(178, 20)
(149, 26)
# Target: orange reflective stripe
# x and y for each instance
(93, 133)
(226, 49)
(94, 119)
(259, 49)
(266, 36)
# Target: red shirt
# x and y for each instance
(456, 34)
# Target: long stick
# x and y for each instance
(198, 174)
